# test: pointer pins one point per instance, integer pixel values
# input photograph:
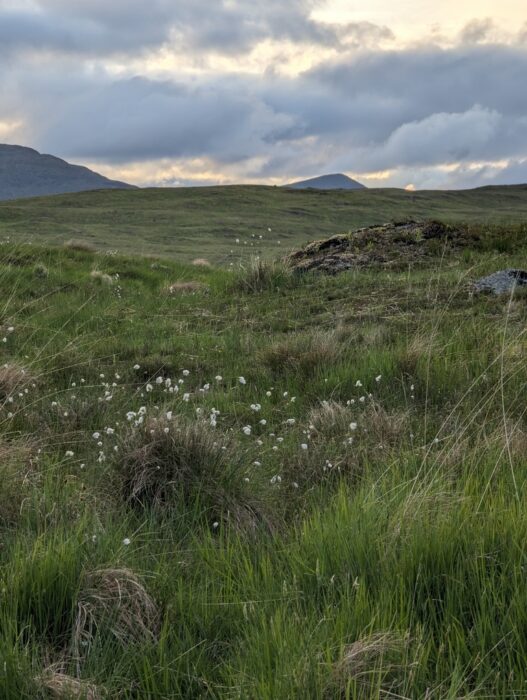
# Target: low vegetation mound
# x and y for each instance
(388, 245)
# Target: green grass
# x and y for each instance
(188, 556)
(186, 223)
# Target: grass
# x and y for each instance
(232, 224)
(286, 487)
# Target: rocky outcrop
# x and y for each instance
(387, 245)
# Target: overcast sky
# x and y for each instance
(413, 93)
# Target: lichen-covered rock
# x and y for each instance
(386, 245)
(501, 282)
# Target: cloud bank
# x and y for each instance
(167, 92)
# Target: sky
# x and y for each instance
(415, 93)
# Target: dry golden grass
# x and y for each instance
(20, 480)
(80, 245)
(60, 686)
(14, 378)
(384, 427)
(304, 354)
(191, 287)
(101, 278)
(369, 663)
(329, 419)
(201, 262)
(117, 601)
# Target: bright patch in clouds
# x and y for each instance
(410, 94)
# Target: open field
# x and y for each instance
(189, 222)
(249, 484)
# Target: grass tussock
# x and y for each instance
(172, 462)
(80, 246)
(114, 601)
(181, 288)
(329, 420)
(263, 276)
(304, 355)
(60, 686)
(41, 271)
(14, 379)
(20, 480)
(201, 262)
(369, 667)
(101, 278)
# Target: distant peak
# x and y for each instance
(24, 172)
(335, 181)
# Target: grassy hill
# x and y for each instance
(250, 484)
(206, 222)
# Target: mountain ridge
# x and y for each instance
(25, 172)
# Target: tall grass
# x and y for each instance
(311, 491)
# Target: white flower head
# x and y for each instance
(242, 380)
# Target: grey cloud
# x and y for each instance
(100, 27)
(477, 30)
(410, 111)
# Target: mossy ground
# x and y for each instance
(362, 534)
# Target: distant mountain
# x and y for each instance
(327, 182)
(27, 173)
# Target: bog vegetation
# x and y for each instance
(250, 483)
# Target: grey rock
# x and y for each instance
(502, 282)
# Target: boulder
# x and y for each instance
(501, 282)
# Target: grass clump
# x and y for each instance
(101, 278)
(59, 685)
(14, 378)
(167, 464)
(80, 246)
(369, 667)
(302, 354)
(264, 276)
(114, 601)
(20, 480)
(201, 262)
(191, 287)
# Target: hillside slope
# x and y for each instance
(207, 221)
(25, 172)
